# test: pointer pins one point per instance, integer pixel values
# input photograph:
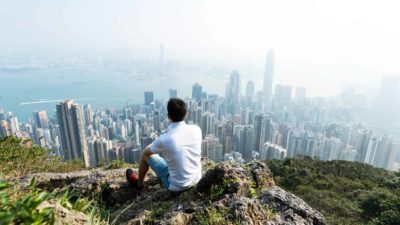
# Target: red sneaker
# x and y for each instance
(133, 179)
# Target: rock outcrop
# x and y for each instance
(227, 194)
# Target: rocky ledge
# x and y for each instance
(227, 194)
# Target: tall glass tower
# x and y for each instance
(268, 77)
(72, 131)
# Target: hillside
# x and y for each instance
(227, 194)
(253, 193)
(345, 192)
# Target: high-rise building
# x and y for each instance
(148, 97)
(197, 93)
(250, 88)
(88, 114)
(208, 123)
(173, 93)
(14, 125)
(257, 124)
(387, 107)
(211, 148)
(272, 151)
(266, 133)
(362, 145)
(156, 120)
(283, 94)
(244, 135)
(300, 95)
(268, 77)
(72, 131)
(93, 157)
(232, 93)
(4, 129)
(249, 93)
(41, 119)
(246, 142)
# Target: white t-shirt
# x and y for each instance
(181, 149)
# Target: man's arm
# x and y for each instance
(146, 152)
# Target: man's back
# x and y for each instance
(181, 149)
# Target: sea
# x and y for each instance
(23, 91)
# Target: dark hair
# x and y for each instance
(177, 109)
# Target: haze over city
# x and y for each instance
(322, 45)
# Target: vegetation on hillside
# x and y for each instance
(345, 192)
(22, 206)
(19, 158)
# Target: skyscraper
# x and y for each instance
(245, 136)
(268, 77)
(148, 97)
(272, 151)
(250, 88)
(14, 125)
(4, 129)
(258, 120)
(88, 114)
(72, 132)
(173, 93)
(387, 106)
(41, 119)
(197, 92)
(249, 93)
(211, 148)
(300, 95)
(232, 93)
(283, 94)
(156, 120)
(208, 123)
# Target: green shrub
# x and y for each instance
(24, 209)
(345, 192)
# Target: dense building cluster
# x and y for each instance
(253, 125)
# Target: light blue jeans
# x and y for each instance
(160, 167)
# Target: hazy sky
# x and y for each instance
(316, 43)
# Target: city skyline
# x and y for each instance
(236, 126)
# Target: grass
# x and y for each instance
(211, 216)
(220, 189)
(269, 213)
(157, 212)
(117, 164)
(19, 158)
(89, 205)
(253, 190)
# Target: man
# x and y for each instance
(179, 168)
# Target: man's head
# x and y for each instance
(177, 109)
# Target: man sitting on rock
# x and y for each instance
(175, 156)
